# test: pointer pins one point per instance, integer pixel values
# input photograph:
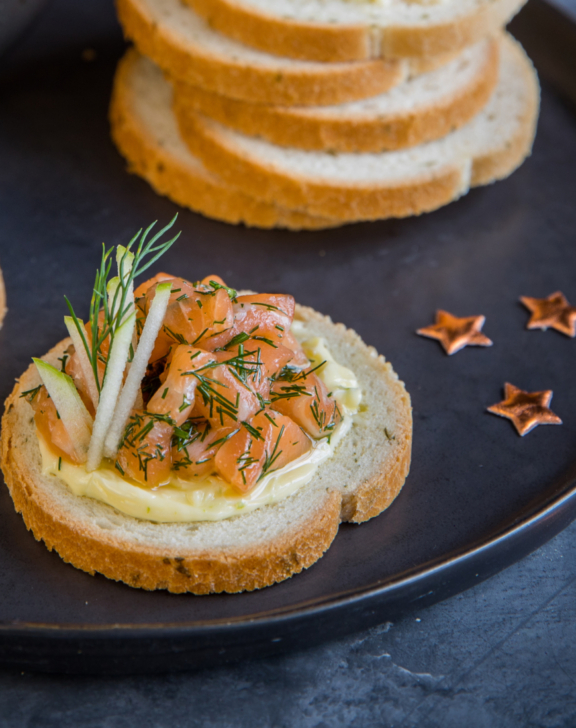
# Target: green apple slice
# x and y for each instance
(73, 413)
(124, 261)
(138, 366)
(117, 362)
(114, 293)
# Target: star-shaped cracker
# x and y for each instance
(455, 333)
(553, 312)
(526, 410)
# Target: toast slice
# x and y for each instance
(388, 184)
(424, 108)
(187, 48)
(357, 30)
(145, 131)
(246, 552)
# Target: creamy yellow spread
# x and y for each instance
(211, 498)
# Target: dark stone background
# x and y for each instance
(569, 5)
(502, 654)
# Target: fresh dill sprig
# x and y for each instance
(268, 306)
(232, 293)
(138, 428)
(289, 392)
(238, 339)
(214, 399)
(30, 394)
(269, 460)
(253, 432)
(188, 433)
(110, 306)
(289, 374)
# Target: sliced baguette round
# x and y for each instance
(387, 184)
(424, 108)
(185, 47)
(145, 131)
(247, 552)
(348, 30)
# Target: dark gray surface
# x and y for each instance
(501, 655)
(569, 5)
(15, 15)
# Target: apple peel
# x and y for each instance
(117, 361)
(72, 411)
(138, 367)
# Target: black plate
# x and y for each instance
(478, 497)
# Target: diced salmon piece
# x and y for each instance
(265, 316)
(223, 398)
(158, 278)
(51, 427)
(299, 360)
(145, 451)
(218, 319)
(213, 279)
(276, 305)
(288, 442)
(175, 397)
(195, 315)
(74, 369)
(194, 448)
(306, 400)
(176, 328)
(256, 361)
(264, 444)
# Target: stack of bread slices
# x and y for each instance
(309, 114)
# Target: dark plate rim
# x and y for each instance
(558, 506)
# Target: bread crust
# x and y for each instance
(321, 85)
(338, 42)
(298, 127)
(170, 176)
(201, 570)
(353, 201)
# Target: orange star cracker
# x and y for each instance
(553, 312)
(526, 410)
(455, 333)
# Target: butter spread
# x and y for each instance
(211, 498)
